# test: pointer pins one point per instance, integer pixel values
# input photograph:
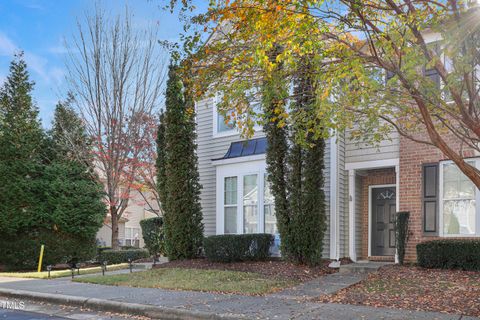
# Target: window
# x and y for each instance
(269, 208)
(431, 73)
(222, 125)
(250, 204)
(132, 237)
(230, 204)
(389, 75)
(245, 203)
(226, 124)
(458, 202)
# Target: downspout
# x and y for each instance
(334, 219)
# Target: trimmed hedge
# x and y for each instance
(21, 252)
(120, 256)
(449, 254)
(401, 234)
(152, 230)
(241, 247)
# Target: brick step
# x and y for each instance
(382, 258)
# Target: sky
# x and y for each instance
(41, 27)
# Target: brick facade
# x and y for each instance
(412, 156)
(372, 177)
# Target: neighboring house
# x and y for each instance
(364, 187)
(130, 232)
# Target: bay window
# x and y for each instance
(230, 204)
(250, 204)
(459, 212)
(269, 208)
(245, 203)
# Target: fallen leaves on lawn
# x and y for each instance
(414, 288)
(276, 269)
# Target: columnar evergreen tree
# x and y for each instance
(276, 158)
(295, 167)
(307, 198)
(160, 162)
(182, 210)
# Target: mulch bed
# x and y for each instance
(271, 269)
(414, 288)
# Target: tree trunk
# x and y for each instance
(114, 217)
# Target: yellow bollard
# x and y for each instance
(40, 258)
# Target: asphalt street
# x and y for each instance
(24, 315)
(30, 310)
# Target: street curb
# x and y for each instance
(137, 309)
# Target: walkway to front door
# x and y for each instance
(383, 208)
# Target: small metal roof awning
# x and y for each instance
(245, 148)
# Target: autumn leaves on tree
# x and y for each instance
(380, 65)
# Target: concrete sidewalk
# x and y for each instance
(168, 304)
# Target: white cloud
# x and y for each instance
(7, 47)
(38, 64)
(33, 5)
(58, 49)
(57, 74)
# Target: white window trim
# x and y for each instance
(132, 239)
(441, 232)
(216, 133)
(236, 205)
(240, 170)
(227, 133)
(236, 160)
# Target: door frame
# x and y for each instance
(370, 187)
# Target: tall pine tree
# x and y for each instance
(74, 192)
(68, 134)
(21, 143)
(46, 198)
(182, 211)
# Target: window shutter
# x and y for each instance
(389, 76)
(432, 73)
(430, 198)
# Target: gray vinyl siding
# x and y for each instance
(358, 152)
(210, 147)
(342, 197)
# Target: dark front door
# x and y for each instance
(383, 221)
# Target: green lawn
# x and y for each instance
(61, 273)
(194, 279)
